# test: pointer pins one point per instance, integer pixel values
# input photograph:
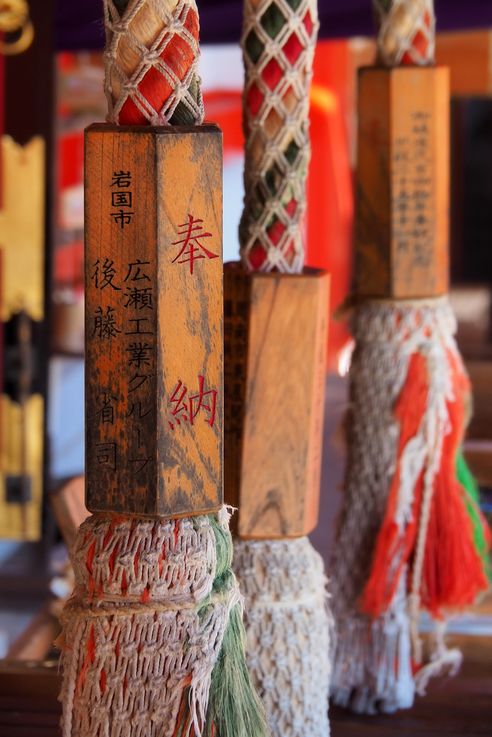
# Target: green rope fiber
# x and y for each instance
(234, 708)
(467, 481)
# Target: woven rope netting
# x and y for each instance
(288, 632)
(409, 528)
(151, 62)
(278, 42)
(144, 627)
(406, 32)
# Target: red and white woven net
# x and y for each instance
(278, 44)
(151, 60)
(407, 31)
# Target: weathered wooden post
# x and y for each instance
(153, 639)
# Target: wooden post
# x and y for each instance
(154, 403)
(402, 240)
(276, 329)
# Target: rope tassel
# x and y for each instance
(409, 530)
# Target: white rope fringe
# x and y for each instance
(289, 631)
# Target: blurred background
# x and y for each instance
(51, 87)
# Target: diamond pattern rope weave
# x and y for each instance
(278, 45)
(151, 63)
(406, 34)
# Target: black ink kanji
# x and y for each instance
(104, 274)
(122, 179)
(139, 354)
(105, 324)
(106, 455)
(107, 410)
(138, 330)
(122, 218)
(139, 298)
(135, 272)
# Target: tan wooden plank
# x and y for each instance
(154, 320)
(403, 183)
(276, 337)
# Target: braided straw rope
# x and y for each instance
(406, 32)
(278, 45)
(151, 61)
(144, 628)
(373, 658)
(289, 632)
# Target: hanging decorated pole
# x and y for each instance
(153, 641)
(411, 535)
(276, 316)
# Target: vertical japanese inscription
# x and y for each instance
(121, 324)
(413, 186)
(191, 294)
(153, 321)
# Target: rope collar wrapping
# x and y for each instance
(144, 628)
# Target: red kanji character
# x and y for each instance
(192, 248)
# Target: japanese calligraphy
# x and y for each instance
(105, 324)
(136, 272)
(140, 354)
(106, 455)
(139, 328)
(103, 275)
(139, 298)
(107, 409)
(122, 198)
(413, 192)
(191, 235)
(186, 407)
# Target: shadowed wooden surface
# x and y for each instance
(154, 349)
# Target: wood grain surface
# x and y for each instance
(402, 238)
(154, 347)
(275, 337)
